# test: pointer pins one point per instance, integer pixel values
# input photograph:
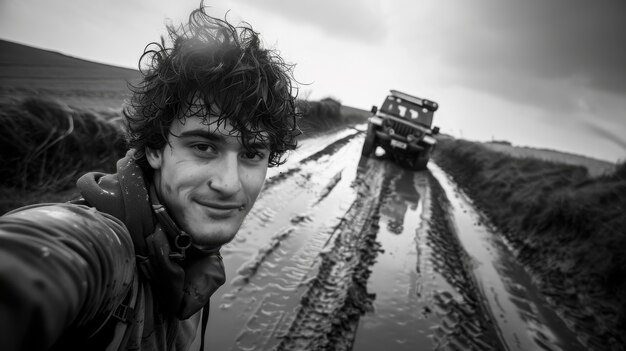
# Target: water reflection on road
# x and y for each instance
(424, 300)
(397, 320)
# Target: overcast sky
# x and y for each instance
(538, 73)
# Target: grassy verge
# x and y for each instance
(326, 115)
(567, 227)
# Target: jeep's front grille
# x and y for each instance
(401, 128)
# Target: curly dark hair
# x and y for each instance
(212, 63)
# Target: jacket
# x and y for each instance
(102, 272)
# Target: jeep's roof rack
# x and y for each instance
(407, 97)
(431, 105)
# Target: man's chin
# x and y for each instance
(211, 240)
(211, 232)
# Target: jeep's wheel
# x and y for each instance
(370, 141)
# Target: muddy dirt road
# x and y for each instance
(348, 253)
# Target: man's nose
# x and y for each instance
(225, 178)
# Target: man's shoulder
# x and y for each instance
(123, 194)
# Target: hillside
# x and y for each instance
(594, 166)
(27, 71)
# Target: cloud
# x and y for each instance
(606, 134)
(559, 39)
(353, 19)
(547, 54)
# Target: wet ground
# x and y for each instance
(348, 253)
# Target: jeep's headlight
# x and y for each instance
(429, 140)
(376, 121)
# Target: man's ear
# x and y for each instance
(154, 157)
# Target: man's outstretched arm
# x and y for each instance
(60, 267)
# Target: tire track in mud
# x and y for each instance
(248, 271)
(465, 324)
(330, 309)
(326, 151)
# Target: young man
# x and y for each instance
(133, 262)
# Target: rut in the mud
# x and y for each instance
(329, 311)
(465, 323)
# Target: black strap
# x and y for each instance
(181, 240)
(205, 321)
(124, 313)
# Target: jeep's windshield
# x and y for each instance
(407, 110)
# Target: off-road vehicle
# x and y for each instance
(403, 128)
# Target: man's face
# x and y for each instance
(206, 179)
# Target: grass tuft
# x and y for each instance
(46, 145)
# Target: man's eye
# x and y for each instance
(203, 147)
(253, 155)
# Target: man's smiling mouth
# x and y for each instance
(221, 209)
